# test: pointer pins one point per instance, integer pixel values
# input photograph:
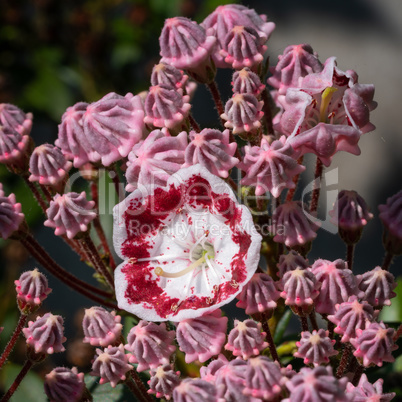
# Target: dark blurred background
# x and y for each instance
(56, 53)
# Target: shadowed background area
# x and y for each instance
(56, 53)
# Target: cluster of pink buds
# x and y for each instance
(212, 218)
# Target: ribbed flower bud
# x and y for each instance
(63, 384)
(243, 48)
(270, 167)
(247, 82)
(166, 107)
(150, 345)
(70, 214)
(213, 150)
(315, 347)
(195, 390)
(350, 214)
(377, 285)
(101, 327)
(367, 392)
(163, 381)
(243, 113)
(337, 284)
(48, 165)
(166, 74)
(259, 295)
(290, 261)
(246, 339)
(203, 337)
(46, 334)
(391, 216)
(11, 216)
(375, 344)
(111, 365)
(32, 288)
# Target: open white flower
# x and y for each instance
(188, 247)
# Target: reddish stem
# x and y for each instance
(24, 371)
(313, 320)
(349, 255)
(40, 254)
(36, 194)
(292, 191)
(94, 257)
(387, 261)
(358, 373)
(141, 387)
(347, 350)
(10, 345)
(397, 335)
(46, 192)
(194, 124)
(267, 113)
(217, 99)
(317, 186)
(268, 337)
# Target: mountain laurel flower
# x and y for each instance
(11, 216)
(243, 113)
(111, 365)
(70, 214)
(45, 334)
(364, 391)
(203, 337)
(246, 339)
(32, 288)
(15, 127)
(296, 62)
(165, 106)
(374, 344)
(259, 295)
(264, 378)
(377, 286)
(163, 381)
(64, 384)
(186, 45)
(101, 327)
(350, 316)
(300, 289)
(165, 74)
(226, 17)
(48, 165)
(150, 345)
(208, 373)
(337, 284)
(291, 226)
(153, 160)
(212, 149)
(391, 217)
(316, 385)
(328, 113)
(188, 248)
(194, 390)
(350, 213)
(270, 167)
(315, 347)
(243, 48)
(290, 261)
(247, 82)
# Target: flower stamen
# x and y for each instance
(325, 100)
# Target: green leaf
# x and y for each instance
(105, 393)
(31, 387)
(282, 325)
(394, 311)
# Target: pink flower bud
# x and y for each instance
(168, 75)
(111, 365)
(64, 384)
(243, 113)
(211, 149)
(70, 214)
(246, 339)
(166, 107)
(203, 337)
(290, 261)
(101, 328)
(32, 288)
(48, 165)
(193, 390)
(163, 381)
(45, 334)
(11, 216)
(150, 345)
(247, 82)
(367, 392)
(259, 295)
